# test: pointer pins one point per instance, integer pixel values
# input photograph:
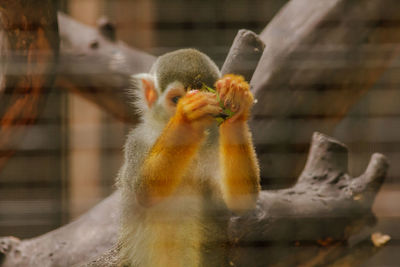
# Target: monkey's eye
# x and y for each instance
(175, 99)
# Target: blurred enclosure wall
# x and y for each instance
(69, 159)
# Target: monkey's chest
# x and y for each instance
(190, 227)
(187, 230)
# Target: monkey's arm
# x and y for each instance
(240, 171)
(240, 179)
(167, 162)
(170, 156)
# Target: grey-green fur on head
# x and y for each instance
(188, 66)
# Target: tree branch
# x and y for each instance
(320, 58)
(96, 66)
(326, 205)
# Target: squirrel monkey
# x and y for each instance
(183, 173)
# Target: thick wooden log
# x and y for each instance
(320, 57)
(324, 207)
(333, 254)
(28, 50)
(309, 223)
(92, 233)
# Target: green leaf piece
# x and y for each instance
(226, 112)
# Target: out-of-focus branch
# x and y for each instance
(28, 51)
(91, 63)
(96, 66)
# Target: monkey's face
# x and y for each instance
(170, 77)
(173, 92)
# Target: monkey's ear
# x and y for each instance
(145, 88)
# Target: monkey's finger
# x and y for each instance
(193, 96)
(237, 115)
(201, 102)
(190, 107)
(218, 84)
(200, 94)
(212, 111)
(235, 106)
(212, 99)
(222, 93)
(208, 110)
(244, 97)
(244, 86)
(209, 95)
(249, 98)
(209, 102)
(230, 99)
(240, 100)
(238, 97)
(196, 100)
(226, 81)
(223, 85)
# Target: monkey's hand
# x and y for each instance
(240, 172)
(234, 92)
(198, 109)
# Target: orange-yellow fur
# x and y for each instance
(183, 173)
(163, 169)
(172, 153)
(169, 158)
(240, 170)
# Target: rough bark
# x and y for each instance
(320, 57)
(28, 51)
(89, 235)
(325, 205)
(309, 223)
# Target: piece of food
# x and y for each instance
(226, 112)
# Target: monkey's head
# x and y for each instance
(171, 76)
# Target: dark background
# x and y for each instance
(69, 159)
